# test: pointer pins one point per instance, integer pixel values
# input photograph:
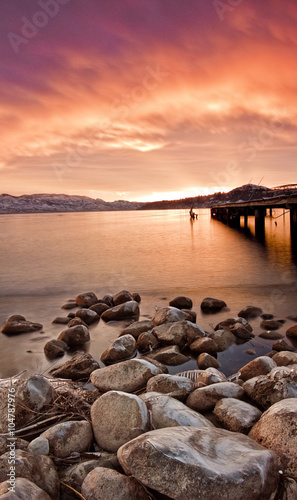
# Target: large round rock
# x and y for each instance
(107, 484)
(276, 430)
(199, 463)
(118, 417)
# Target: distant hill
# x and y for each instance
(248, 192)
(39, 203)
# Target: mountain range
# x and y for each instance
(39, 203)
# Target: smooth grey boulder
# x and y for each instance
(166, 411)
(127, 376)
(37, 468)
(117, 417)
(205, 398)
(68, 437)
(236, 415)
(125, 310)
(168, 315)
(23, 489)
(39, 446)
(276, 430)
(258, 366)
(199, 463)
(122, 348)
(166, 383)
(107, 484)
(266, 390)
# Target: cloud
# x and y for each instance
(147, 95)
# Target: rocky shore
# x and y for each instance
(123, 428)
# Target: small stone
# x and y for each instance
(267, 316)
(107, 484)
(76, 321)
(241, 331)
(60, 320)
(17, 324)
(71, 304)
(223, 339)
(285, 358)
(250, 312)
(210, 305)
(236, 415)
(39, 446)
(138, 327)
(126, 310)
(86, 299)
(205, 398)
(55, 348)
(68, 437)
(166, 383)
(122, 348)
(147, 342)
(136, 297)
(75, 475)
(204, 344)
(181, 303)
(282, 345)
(108, 299)
(211, 375)
(75, 335)
(271, 335)
(251, 352)
(270, 324)
(205, 360)
(170, 355)
(87, 315)
(292, 332)
(121, 297)
(168, 315)
(23, 489)
(99, 308)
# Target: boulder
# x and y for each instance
(121, 297)
(87, 299)
(136, 297)
(108, 299)
(69, 437)
(204, 344)
(211, 376)
(166, 411)
(223, 339)
(181, 303)
(165, 384)
(23, 489)
(28, 397)
(270, 324)
(55, 348)
(127, 376)
(266, 390)
(210, 305)
(276, 430)
(61, 320)
(99, 308)
(250, 312)
(39, 446)
(118, 417)
(71, 304)
(138, 327)
(75, 335)
(225, 323)
(190, 315)
(285, 358)
(170, 355)
(205, 398)
(282, 345)
(236, 415)
(147, 342)
(292, 332)
(76, 321)
(79, 367)
(87, 315)
(18, 324)
(241, 331)
(168, 315)
(199, 463)
(75, 475)
(258, 366)
(122, 348)
(270, 335)
(105, 484)
(205, 360)
(37, 468)
(178, 333)
(126, 310)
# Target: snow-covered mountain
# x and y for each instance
(35, 203)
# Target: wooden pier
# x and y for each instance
(230, 213)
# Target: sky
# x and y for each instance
(147, 100)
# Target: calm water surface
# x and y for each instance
(47, 259)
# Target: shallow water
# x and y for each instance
(49, 258)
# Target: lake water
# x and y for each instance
(47, 259)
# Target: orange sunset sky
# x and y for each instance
(147, 99)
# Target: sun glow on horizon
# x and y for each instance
(179, 195)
